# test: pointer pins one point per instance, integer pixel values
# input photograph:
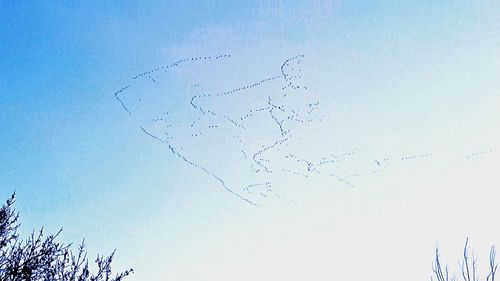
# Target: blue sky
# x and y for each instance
(393, 79)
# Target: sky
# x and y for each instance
(255, 140)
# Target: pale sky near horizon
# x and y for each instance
(388, 146)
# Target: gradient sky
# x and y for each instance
(393, 78)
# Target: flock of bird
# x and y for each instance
(281, 101)
(476, 156)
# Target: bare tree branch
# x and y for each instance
(493, 265)
(467, 266)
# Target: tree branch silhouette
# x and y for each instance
(41, 257)
(468, 266)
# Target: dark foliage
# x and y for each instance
(41, 257)
(468, 266)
